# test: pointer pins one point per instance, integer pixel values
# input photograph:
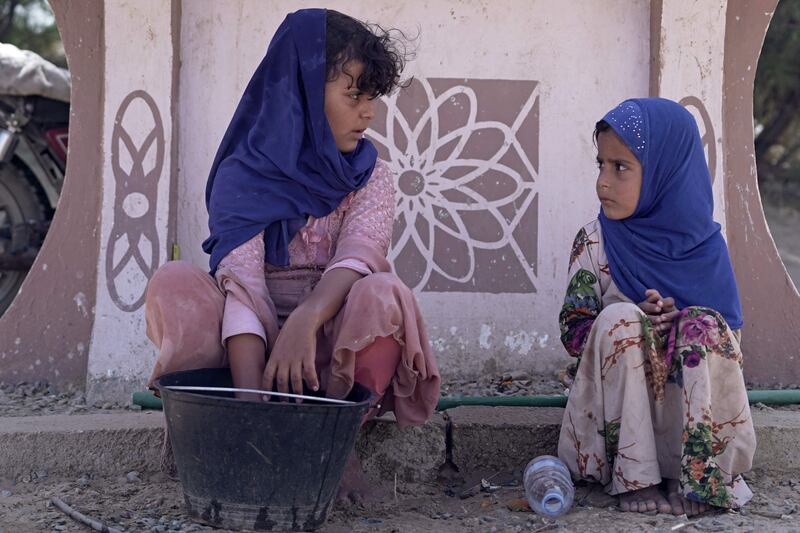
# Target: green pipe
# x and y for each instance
(768, 397)
(147, 400)
(774, 397)
(502, 401)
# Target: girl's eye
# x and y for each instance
(354, 96)
(599, 164)
(621, 167)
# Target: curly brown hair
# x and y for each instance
(384, 52)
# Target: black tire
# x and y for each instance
(19, 204)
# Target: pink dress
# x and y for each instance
(190, 315)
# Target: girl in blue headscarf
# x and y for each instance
(300, 218)
(657, 410)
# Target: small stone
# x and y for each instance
(132, 477)
(769, 512)
(5, 493)
(519, 505)
(517, 375)
(83, 481)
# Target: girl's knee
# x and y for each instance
(377, 284)
(172, 271)
(612, 316)
(695, 311)
(176, 277)
(626, 311)
(701, 325)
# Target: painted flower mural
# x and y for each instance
(465, 157)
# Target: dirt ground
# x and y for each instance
(155, 504)
(151, 503)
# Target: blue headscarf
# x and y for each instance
(671, 242)
(278, 162)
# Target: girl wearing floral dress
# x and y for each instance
(300, 216)
(658, 410)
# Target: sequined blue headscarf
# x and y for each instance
(671, 242)
(278, 163)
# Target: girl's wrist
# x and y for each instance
(309, 315)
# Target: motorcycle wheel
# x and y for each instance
(19, 204)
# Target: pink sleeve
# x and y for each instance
(367, 224)
(246, 262)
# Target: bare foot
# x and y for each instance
(681, 505)
(354, 486)
(644, 500)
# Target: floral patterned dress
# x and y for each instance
(645, 407)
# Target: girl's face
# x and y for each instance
(620, 179)
(349, 111)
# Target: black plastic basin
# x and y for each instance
(257, 465)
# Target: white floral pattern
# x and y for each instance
(466, 189)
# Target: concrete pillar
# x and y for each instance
(687, 44)
(136, 230)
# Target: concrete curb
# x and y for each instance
(412, 454)
(70, 445)
(471, 438)
(500, 438)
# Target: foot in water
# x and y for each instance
(680, 504)
(644, 501)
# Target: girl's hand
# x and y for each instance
(292, 358)
(661, 311)
(295, 351)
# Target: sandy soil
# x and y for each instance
(155, 504)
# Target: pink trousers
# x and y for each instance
(377, 339)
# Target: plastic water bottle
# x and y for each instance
(548, 486)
